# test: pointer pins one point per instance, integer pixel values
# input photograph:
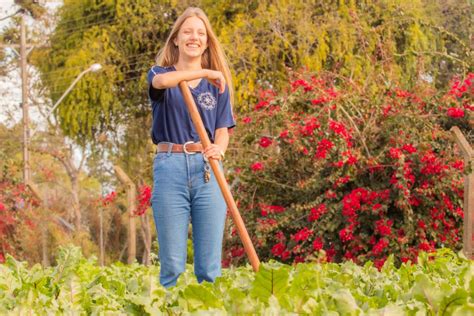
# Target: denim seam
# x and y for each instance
(187, 157)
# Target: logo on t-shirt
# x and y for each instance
(207, 101)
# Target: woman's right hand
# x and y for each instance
(217, 79)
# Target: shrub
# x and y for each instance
(332, 170)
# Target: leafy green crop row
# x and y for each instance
(439, 284)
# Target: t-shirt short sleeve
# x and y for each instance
(225, 116)
(153, 93)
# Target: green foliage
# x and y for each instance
(399, 40)
(272, 279)
(442, 283)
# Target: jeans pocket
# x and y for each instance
(159, 157)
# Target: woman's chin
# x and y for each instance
(192, 55)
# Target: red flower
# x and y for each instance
(2, 207)
(266, 223)
(237, 252)
(261, 105)
(329, 194)
(349, 256)
(330, 253)
(351, 160)
(376, 206)
(279, 236)
(285, 254)
(395, 153)
(265, 142)
(296, 249)
(2, 258)
(386, 109)
(225, 263)
(284, 134)
(341, 180)
(409, 148)
(340, 129)
(431, 163)
(421, 224)
(339, 164)
(318, 101)
(383, 228)
(301, 83)
(317, 244)
(458, 89)
(401, 93)
(456, 112)
(302, 235)
(143, 200)
(257, 166)
(379, 263)
(274, 209)
(247, 120)
(317, 212)
(380, 246)
(323, 146)
(458, 164)
(459, 212)
(304, 150)
(278, 249)
(414, 201)
(425, 246)
(345, 234)
(109, 198)
(310, 125)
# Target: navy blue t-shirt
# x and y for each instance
(171, 120)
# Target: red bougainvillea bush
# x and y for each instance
(15, 201)
(332, 170)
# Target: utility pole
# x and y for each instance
(24, 101)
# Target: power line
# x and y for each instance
(86, 16)
(82, 66)
(9, 16)
(63, 79)
(60, 88)
(72, 30)
(113, 82)
(82, 28)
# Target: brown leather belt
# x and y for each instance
(178, 148)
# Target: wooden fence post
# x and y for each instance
(468, 153)
(44, 231)
(131, 202)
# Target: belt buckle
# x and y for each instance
(187, 152)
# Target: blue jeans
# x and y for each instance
(181, 195)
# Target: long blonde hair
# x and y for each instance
(212, 58)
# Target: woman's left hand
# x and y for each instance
(213, 151)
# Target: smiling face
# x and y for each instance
(192, 38)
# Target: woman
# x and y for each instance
(184, 187)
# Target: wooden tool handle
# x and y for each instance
(229, 199)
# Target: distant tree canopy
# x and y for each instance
(364, 40)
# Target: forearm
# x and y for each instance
(173, 78)
(222, 138)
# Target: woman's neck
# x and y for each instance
(188, 64)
